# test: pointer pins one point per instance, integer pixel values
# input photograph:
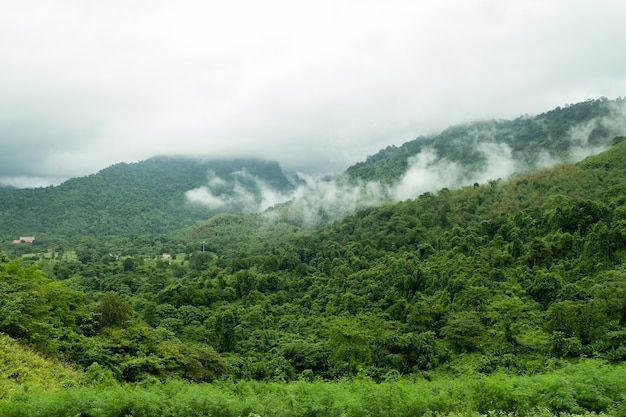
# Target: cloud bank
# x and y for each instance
(317, 86)
(243, 192)
(316, 200)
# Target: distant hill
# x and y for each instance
(473, 153)
(509, 271)
(514, 275)
(562, 134)
(147, 197)
(396, 226)
(164, 194)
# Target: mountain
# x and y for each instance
(510, 276)
(163, 194)
(532, 267)
(508, 287)
(529, 142)
(598, 178)
(474, 153)
(148, 197)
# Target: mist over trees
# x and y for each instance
(507, 294)
(163, 194)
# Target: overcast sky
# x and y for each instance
(316, 85)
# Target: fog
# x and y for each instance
(316, 200)
(317, 86)
(219, 194)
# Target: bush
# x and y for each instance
(590, 386)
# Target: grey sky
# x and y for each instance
(315, 85)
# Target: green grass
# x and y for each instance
(21, 369)
(587, 388)
(69, 255)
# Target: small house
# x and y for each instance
(24, 239)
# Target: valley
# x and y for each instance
(496, 287)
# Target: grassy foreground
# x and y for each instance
(22, 367)
(587, 387)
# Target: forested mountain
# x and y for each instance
(531, 141)
(463, 155)
(508, 286)
(147, 197)
(530, 268)
(163, 194)
(533, 265)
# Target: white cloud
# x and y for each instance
(426, 173)
(317, 86)
(243, 192)
(203, 195)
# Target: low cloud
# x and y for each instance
(590, 138)
(318, 200)
(242, 191)
(428, 173)
(425, 173)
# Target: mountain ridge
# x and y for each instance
(531, 268)
(509, 277)
(128, 198)
(552, 134)
(162, 194)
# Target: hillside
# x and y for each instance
(533, 265)
(20, 366)
(147, 197)
(463, 155)
(509, 284)
(162, 194)
(530, 266)
(530, 142)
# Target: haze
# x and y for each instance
(317, 86)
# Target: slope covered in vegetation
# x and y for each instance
(466, 301)
(127, 200)
(556, 135)
(532, 266)
(507, 286)
(21, 366)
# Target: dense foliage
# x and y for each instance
(128, 200)
(491, 297)
(526, 267)
(21, 368)
(588, 388)
(555, 134)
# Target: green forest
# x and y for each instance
(502, 298)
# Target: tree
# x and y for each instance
(464, 330)
(545, 287)
(128, 264)
(349, 343)
(200, 261)
(114, 310)
(225, 323)
(584, 320)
